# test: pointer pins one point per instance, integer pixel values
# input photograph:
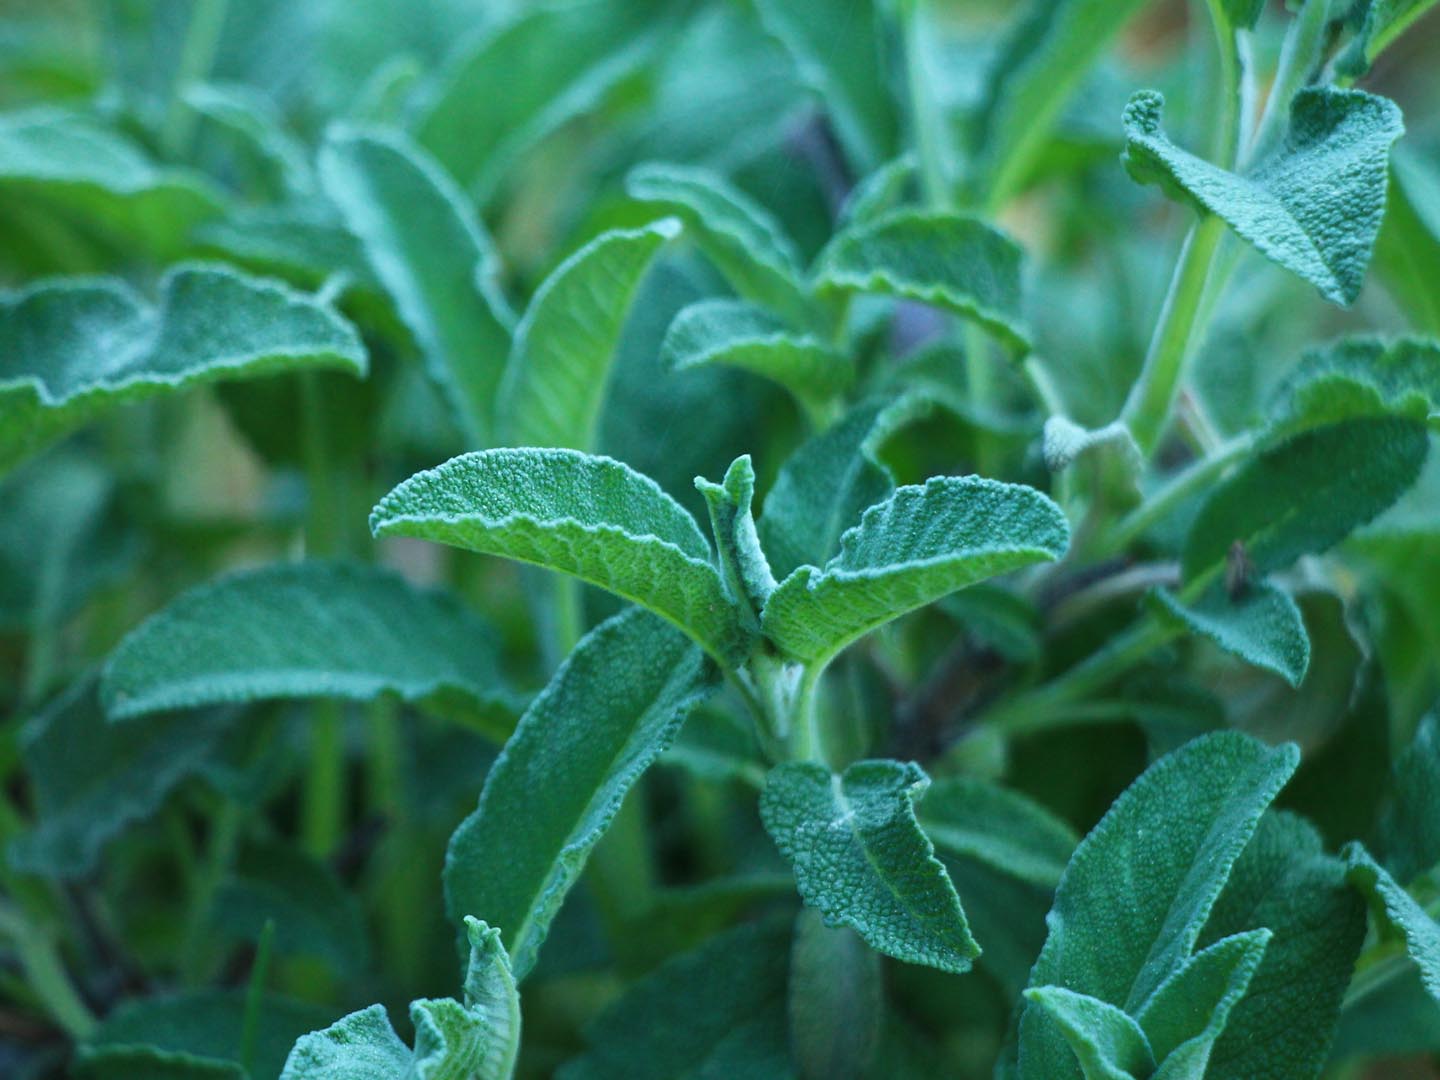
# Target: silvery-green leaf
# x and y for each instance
(559, 367)
(917, 546)
(1359, 377)
(608, 713)
(742, 562)
(1065, 441)
(1107, 1041)
(299, 244)
(1314, 207)
(254, 118)
(1002, 828)
(72, 347)
(1381, 23)
(1262, 625)
(591, 517)
(861, 858)
(1398, 914)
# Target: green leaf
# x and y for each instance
(147, 1063)
(972, 817)
(835, 1000)
(608, 713)
(92, 780)
(1407, 253)
(71, 348)
(917, 546)
(718, 1011)
(559, 367)
(310, 629)
(1284, 881)
(1359, 377)
(588, 516)
(1384, 21)
(743, 239)
(1262, 625)
(304, 247)
(1243, 14)
(744, 336)
(1407, 834)
(1306, 494)
(490, 994)
(954, 261)
(1398, 914)
(1314, 207)
(429, 250)
(360, 1046)
(1108, 1043)
(1141, 885)
(742, 563)
(861, 859)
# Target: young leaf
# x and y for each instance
(608, 713)
(588, 516)
(1398, 914)
(1407, 834)
(917, 546)
(835, 1000)
(861, 859)
(972, 817)
(428, 249)
(953, 261)
(1314, 207)
(1108, 1043)
(747, 574)
(1141, 885)
(490, 994)
(742, 335)
(311, 629)
(559, 367)
(1262, 626)
(71, 348)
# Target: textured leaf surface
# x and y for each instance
(429, 251)
(742, 562)
(311, 629)
(1141, 885)
(999, 827)
(583, 515)
(1407, 834)
(1398, 914)
(718, 1011)
(952, 261)
(1314, 207)
(608, 713)
(70, 348)
(1108, 1043)
(917, 546)
(744, 336)
(835, 1000)
(560, 365)
(1359, 377)
(861, 859)
(1262, 626)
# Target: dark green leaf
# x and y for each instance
(1398, 914)
(999, 827)
(1383, 22)
(835, 1000)
(1108, 1043)
(1262, 626)
(1407, 834)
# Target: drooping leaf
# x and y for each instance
(1398, 914)
(1359, 377)
(1314, 207)
(1383, 21)
(1407, 834)
(608, 713)
(742, 563)
(835, 1000)
(953, 261)
(1306, 494)
(745, 336)
(428, 249)
(861, 859)
(1262, 625)
(559, 366)
(1066, 441)
(917, 546)
(71, 348)
(588, 516)
(310, 629)
(1140, 887)
(1107, 1041)
(717, 1011)
(981, 820)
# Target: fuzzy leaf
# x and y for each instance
(1398, 914)
(741, 335)
(1359, 377)
(428, 249)
(835, 1000)
(588, 516)
(917, 546)
(1314, 207)
(1407, 834)
(1066, 441)
(742, 563)
(861, 859)
(1108, 1043)
(950, 260)
(312, 629)
(1383, 22)
(1140, 886)
(971, 817)
(559, 367)
(1262, 626)
(608, 713)
(71, 348)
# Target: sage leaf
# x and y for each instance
(1262, 625)
(971, 817)
(741, 335)
(71, 348)
(1314, 207)
(427, 247)
(954, 261)
(591, 517)
(1381, 23)
(742, 562)
(1108, 1043)
(1407, 253)
(862, 860)
(310, 629)
(1355, 378)
(1407, 834)
(917, 546)
(608, 713)
(564, 346)
(1398, 914)
(1153, 866)
(835, 1000)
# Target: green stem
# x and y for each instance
(927, 120)
(1176, 491)
(255, 995)
(45, 974)
(807, 741)
(1300, 54)
(219, 854)
(197, 53)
